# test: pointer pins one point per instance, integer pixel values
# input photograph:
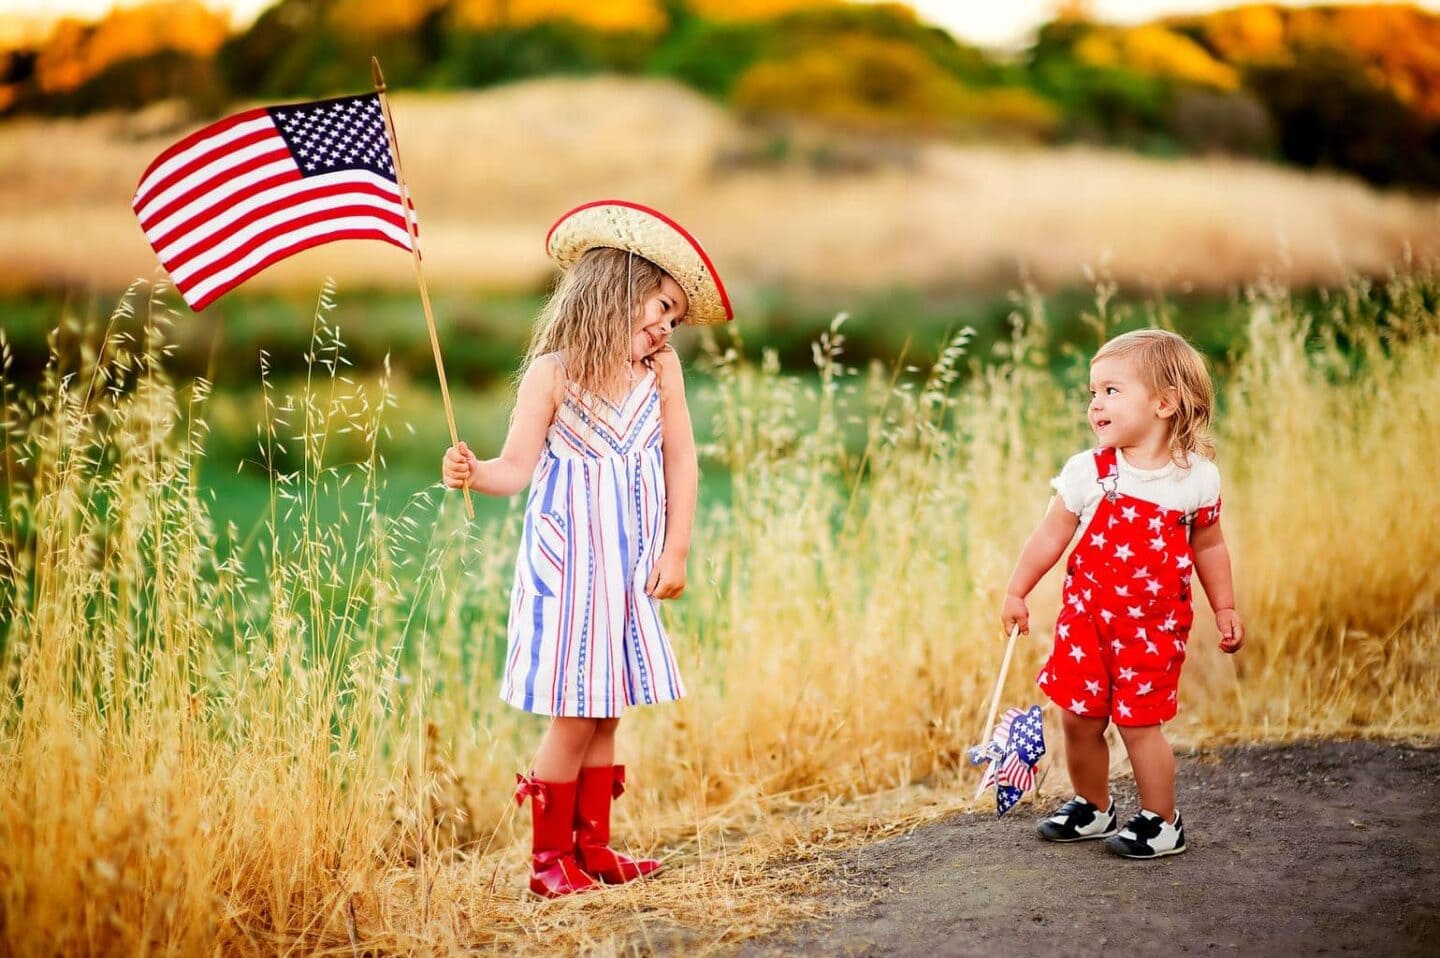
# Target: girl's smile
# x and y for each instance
(662, 311)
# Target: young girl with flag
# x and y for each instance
(601, 434)
(1148, 499)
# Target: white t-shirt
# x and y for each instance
(1170, 486)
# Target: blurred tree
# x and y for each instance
(1330, 111)
(874, 83)
(1216, 121)
(79, 52)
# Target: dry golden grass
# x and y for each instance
(491, 170)
(309, 755)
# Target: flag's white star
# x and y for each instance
(1062, 629)
(1142, 573)
(1129, 514)
(1155, 523)
(1092, 687)
(1077, 653)
(1107, 615)
(1127, 674)
(1134, 611)
(1117, 645)
(1169, 624)
(1098, 540)
(1123, 709)
(1123, 591)
(1153, 586)
(1158, 544)
(1077, 706)
(1124, 552)
(1144, 688)
(1151, 648)
(1182, 562)
(1142, 633)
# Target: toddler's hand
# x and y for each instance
(1232, 631)
(1015, 613)
(667, 579)
(457, 466)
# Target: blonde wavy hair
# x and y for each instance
(589, 317)
(1169, 364)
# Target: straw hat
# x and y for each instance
(649, 233)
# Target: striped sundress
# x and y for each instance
(584, 638)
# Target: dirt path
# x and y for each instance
(1320, 848)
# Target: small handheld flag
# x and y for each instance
(249, 190)
(1016, 745)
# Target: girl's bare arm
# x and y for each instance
(682, 478)
(1041, 551)
(535, 405)
(1212, 564)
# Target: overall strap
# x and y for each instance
(1107, 471)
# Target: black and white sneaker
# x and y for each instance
(1076, 821)
(1147, 835)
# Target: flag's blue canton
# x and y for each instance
(346, 133)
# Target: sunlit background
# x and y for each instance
(248, 649)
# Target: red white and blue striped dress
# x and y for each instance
(584, 638)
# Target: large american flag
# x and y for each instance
(256, 187)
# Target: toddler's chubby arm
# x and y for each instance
(682, 478)
(1041, 551)
(1212, 563)
(510, 472)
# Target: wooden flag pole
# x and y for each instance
(419, 273)
(995, 698)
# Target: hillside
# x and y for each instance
(490, 169)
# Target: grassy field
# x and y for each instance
(286, 737)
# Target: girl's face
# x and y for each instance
(662, 311)
(1123, 410)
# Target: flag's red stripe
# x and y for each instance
(201, 160)
(281, 254)
(219, 179)
(288, 226)
(218, 127)
(275, 206)
(208, 213)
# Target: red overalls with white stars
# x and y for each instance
(1120, 637)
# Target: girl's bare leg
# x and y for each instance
(1153, 760)
(1087, 758)
(602, 743)
(563, 748)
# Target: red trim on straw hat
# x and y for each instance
(704, 257)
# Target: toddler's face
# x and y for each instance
(1123, 410)
(662, 311)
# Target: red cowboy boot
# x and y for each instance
(553, 868)
(597, 786)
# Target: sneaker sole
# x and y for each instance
(1141, 858)
(1079, 838)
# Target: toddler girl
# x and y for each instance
(601, 435)
(1148, 500)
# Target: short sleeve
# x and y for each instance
(1076, 481)
(1208, 511)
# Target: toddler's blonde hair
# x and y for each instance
(1169, 364)
(588, 318)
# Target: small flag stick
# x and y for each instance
(995, 699)
(419, 273)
